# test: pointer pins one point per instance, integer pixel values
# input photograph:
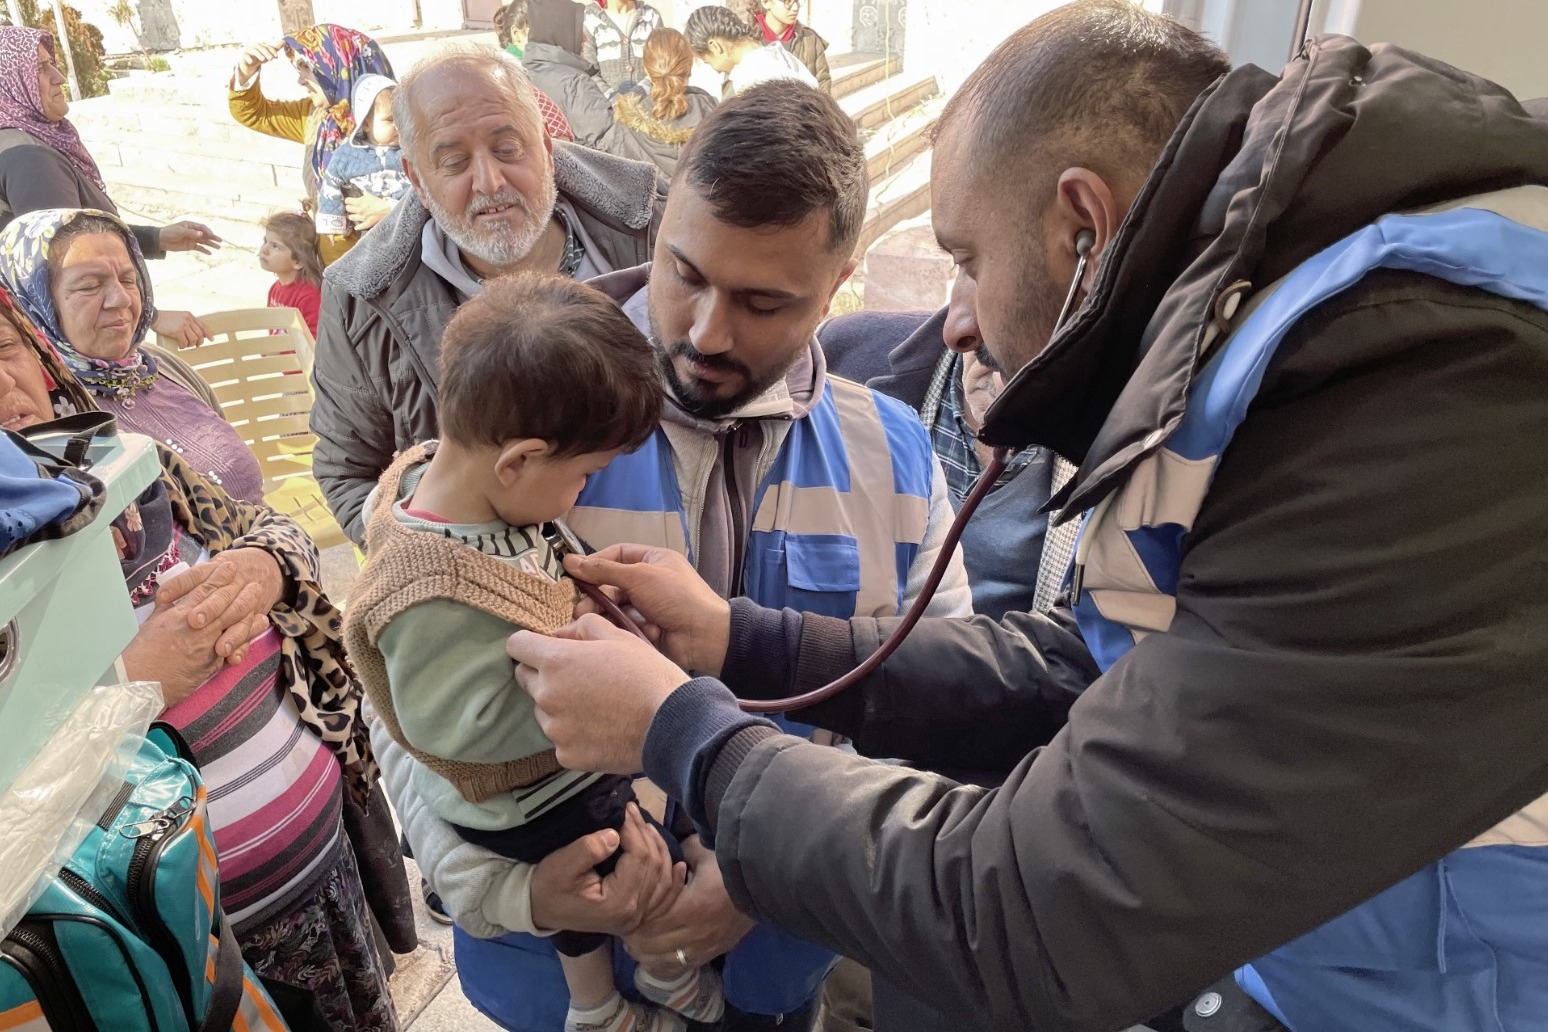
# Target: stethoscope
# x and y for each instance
(1085, 240)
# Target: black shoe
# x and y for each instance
(433, 904)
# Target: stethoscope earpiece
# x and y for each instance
(1085, 240)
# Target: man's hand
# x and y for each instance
(703, 923)
(254, 58)
(188, 236)
(230, 595)
(596, 689)
(568, 893)
(683, 615)
(366, 210)
(181, 327)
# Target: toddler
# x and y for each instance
(290, 252)
(543, 382)
(368, 164)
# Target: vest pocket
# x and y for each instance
(816, 573)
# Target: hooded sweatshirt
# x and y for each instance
(374, 170)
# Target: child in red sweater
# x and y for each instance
(290, 252)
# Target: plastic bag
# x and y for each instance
(59, 796)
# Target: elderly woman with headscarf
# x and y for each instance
(44, 164)
(248, 651)
(329, 60)
(80, 278)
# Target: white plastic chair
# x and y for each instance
(259, 364)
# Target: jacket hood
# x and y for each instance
(538, 54)
(1262, 174)
(615, 190)
(634, 111)
(366, 91)
(790, 398)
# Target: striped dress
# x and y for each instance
(275, 791)
(288, 880)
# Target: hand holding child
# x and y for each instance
(366, 211)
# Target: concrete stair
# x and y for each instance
(896, 114)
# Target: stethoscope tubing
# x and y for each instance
(981, 488)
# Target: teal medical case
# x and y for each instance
(64, 613)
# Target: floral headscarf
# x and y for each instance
(24, 246)
(21, 101)
(339, 58)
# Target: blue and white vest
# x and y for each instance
(837, 522)
(1463, 944)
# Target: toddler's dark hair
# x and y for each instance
(542, 356)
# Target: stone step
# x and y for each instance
(900, 139)
(258, 162)
(140, 190)
(854, 72)
(903, 195)
(209, 129)
(881, 102)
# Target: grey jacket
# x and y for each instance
(1353, 683)
(636, 133)
(377, 369)
(573, 84)
(34, 176)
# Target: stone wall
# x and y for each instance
(193, 24)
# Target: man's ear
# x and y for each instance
(844, 274)
(413, 178)
(516, 456)
(1084, 201)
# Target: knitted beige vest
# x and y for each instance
(405, 567)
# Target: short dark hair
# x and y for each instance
(709, 23)
(1100, 83)
(542, 356)
(772, 155)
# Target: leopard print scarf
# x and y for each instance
(314, 668)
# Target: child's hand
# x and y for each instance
(366, 211)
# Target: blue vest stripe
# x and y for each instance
(827, 538)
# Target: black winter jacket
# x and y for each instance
(1354, 683)
(574, 85)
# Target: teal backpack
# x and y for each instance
(129, 936)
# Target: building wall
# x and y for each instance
(949, 38)
(184, 24)
(1502, 40)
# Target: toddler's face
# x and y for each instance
(547, 487)
(275, 257)
(383, 131)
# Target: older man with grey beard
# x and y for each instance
(493, 194)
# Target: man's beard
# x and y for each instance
(498, 247)
(689, 396)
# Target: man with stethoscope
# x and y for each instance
(1305, 620)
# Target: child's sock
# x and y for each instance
(616, 1014)
(695, 995)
